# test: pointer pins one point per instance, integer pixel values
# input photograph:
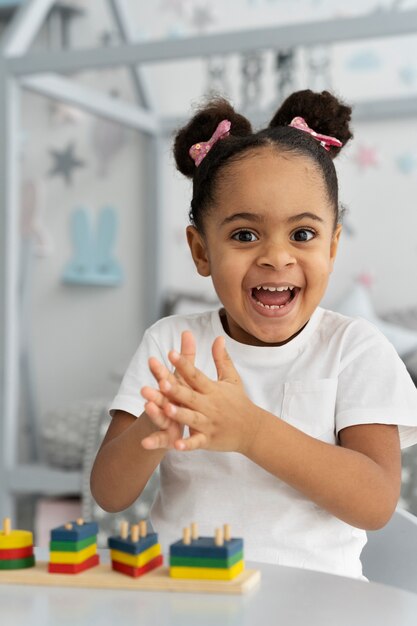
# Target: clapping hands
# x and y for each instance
(219, 413)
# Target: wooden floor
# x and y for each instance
(103, 577)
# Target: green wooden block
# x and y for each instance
(184, 561)
(17, 563)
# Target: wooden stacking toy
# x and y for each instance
(16, 547)
(136, 554)
(73, 547)
(210, 558)
(196, 564)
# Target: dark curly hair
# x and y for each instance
(323, 112)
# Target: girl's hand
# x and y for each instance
(219, 413)
(170, 431)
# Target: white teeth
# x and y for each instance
(290, 287)
(272, 306)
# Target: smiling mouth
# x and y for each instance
(274, 297)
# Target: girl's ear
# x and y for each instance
(198, 251)
(334, 245)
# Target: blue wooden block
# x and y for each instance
(76, 533)
(132, 547)
(205, 547)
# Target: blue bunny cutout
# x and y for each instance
(92, 262)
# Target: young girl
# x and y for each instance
(281, 418)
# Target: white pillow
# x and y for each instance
(357, 303)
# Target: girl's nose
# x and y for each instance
(276, 256)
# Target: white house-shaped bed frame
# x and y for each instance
(40, 72)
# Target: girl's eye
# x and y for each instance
(303, 234)
(245, 236)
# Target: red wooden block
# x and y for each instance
(137, 571)
(73, 568)
(16, 553)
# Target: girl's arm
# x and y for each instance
(358, 482)
(122, 466)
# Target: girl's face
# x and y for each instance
(268, 245)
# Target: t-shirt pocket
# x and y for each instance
(310, 407)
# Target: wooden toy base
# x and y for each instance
(102, 577)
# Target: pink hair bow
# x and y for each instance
(325, 140)
(199, 150)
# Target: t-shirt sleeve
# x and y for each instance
(375, 387)
(138, 375)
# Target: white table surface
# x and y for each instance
(286, 596)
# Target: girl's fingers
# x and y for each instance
(187, 417)
(188, 345)
(181, 394)
(195, 442)
(159, 370)
(157, 416)
(187, 350)
(156, 441)
(224, 364)
(190, 374)
(153, 395)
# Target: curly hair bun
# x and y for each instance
(323, 112)
(202, 126)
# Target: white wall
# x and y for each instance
(82, 337)
(382, 203)
(82, 333)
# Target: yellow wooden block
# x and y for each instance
(73, 558)
(16, 539)
(136, 560)
(207, 573)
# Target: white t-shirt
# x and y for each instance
(336, 372)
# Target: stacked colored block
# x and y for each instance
(73, 548)
(207, 558)
(136, 554)
(16, 548)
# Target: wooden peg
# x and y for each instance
(124, 530)
(80, 521)
(218, 537)
(186, 536)
(227, 532)
(7, 526)
(134, 533)
(194, 530)
(143, 528)
(68, 526)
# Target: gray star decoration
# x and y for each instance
(64, 163)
